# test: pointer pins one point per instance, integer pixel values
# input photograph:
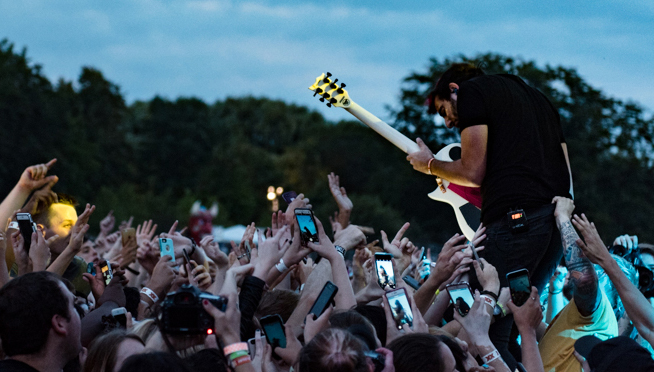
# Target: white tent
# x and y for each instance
(234, 233)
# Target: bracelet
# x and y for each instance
(238, 354)
(340, 250)
(132, 270)
(150, 293)
(491, 356)
(553, 293)
(281, 266)
(429, 166)
(488, 301)
(239, 346)
(501, 309)
(492, 294)
(240, 361)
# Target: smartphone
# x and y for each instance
(26, 227)
(105, 267)
(273, 328)
(400, 307)
(90, 268)
(324, 299)
(474, 253)
(166, 247)
(289, 196)
(120, 314)
(411, 282)
(385, 270)
(461, 297)
(128, 235)
(186, 257)
(519, 285)
(308, 230)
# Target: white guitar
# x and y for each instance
(466, 201)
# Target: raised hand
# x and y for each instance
(325, 248)
(349, 238)
(448, 264)
(41, 199)
(270, 252)
(107, 224)
(487, 276)
(226, 325)
(34, 177)
(477, 321)
(314, 326)
(95, 281)
(79, 230)
(420, 159)
(528, 316)
(39, 252)
(593, 248)
(340, 196)
(162, 276)
(213, 251)
(126, 224)
(145, 232)
(395, 247)
(299, 202)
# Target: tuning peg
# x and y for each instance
(335, 80)
(322, 99)
(319, 90)
(326, 95)
(314, 93)
(339, 90)
(342, 85)
(333, 86)
(333, 100)
(329, 105)
(329, 74)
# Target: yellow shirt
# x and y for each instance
(557, 345)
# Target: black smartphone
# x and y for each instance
(308, 230)
(273, 328)
(461, 297)
(90, 268)
(519, 285)
(411, 282)
(474, 253)
(186, 257)
(26, 227)
(324, 299)
(289, 196)
(385, 271)
(105, 268)
(400, 307)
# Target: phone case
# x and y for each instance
(325, 298)
(166, 247)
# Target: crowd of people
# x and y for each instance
(541, 293)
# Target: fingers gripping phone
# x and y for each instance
(307, 225)
(166, 248)
(325, 298)
(273, 328)
(461, 297)
(400, 307)
(26, 227)
(385, 270)
(519, 285)
(105, 268)
(128, 235)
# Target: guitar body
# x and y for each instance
(466, 201)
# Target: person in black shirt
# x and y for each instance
(512, 147)
(39, 326)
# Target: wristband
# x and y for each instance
(150, 293)
(488, 301)
(429, 166)
(553, 293)
(238, 354)
(240, 361)
(491, 356)
(492, 294)
(239, 346)
(281, 267)
(340, 250)
(13, 225)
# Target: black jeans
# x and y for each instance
(538, 250)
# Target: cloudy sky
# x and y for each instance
(217, 48)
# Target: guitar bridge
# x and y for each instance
(439, 181)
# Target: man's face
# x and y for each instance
(648, 260)
(74, 329)
(61, 219)
(448, 111)
(88, 252)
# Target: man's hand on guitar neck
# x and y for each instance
(421, 160)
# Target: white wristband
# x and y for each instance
(281, 266)
(488, 300)
(491, 356)
(150, 293)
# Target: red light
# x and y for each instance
(209, 331)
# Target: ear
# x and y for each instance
(59, 325)
(453, 86)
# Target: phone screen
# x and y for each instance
(400, 307)
(274, 330)
(385, 272)
(324, 299)
(308, 231)
(106, 272)
(166, 248)
(461, 296)
(519, 286)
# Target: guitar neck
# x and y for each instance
(388, 132)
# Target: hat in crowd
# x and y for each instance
(615, 354)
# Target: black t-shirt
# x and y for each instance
(525, 165)
(10, 365)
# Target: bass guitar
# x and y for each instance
(466, 201)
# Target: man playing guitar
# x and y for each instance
(512, 146)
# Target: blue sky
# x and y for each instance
(217, 48)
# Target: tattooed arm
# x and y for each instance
(582, 273)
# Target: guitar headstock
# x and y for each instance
(331, 92)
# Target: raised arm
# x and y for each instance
(582, 272)
(639, 309)
(33, 178)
